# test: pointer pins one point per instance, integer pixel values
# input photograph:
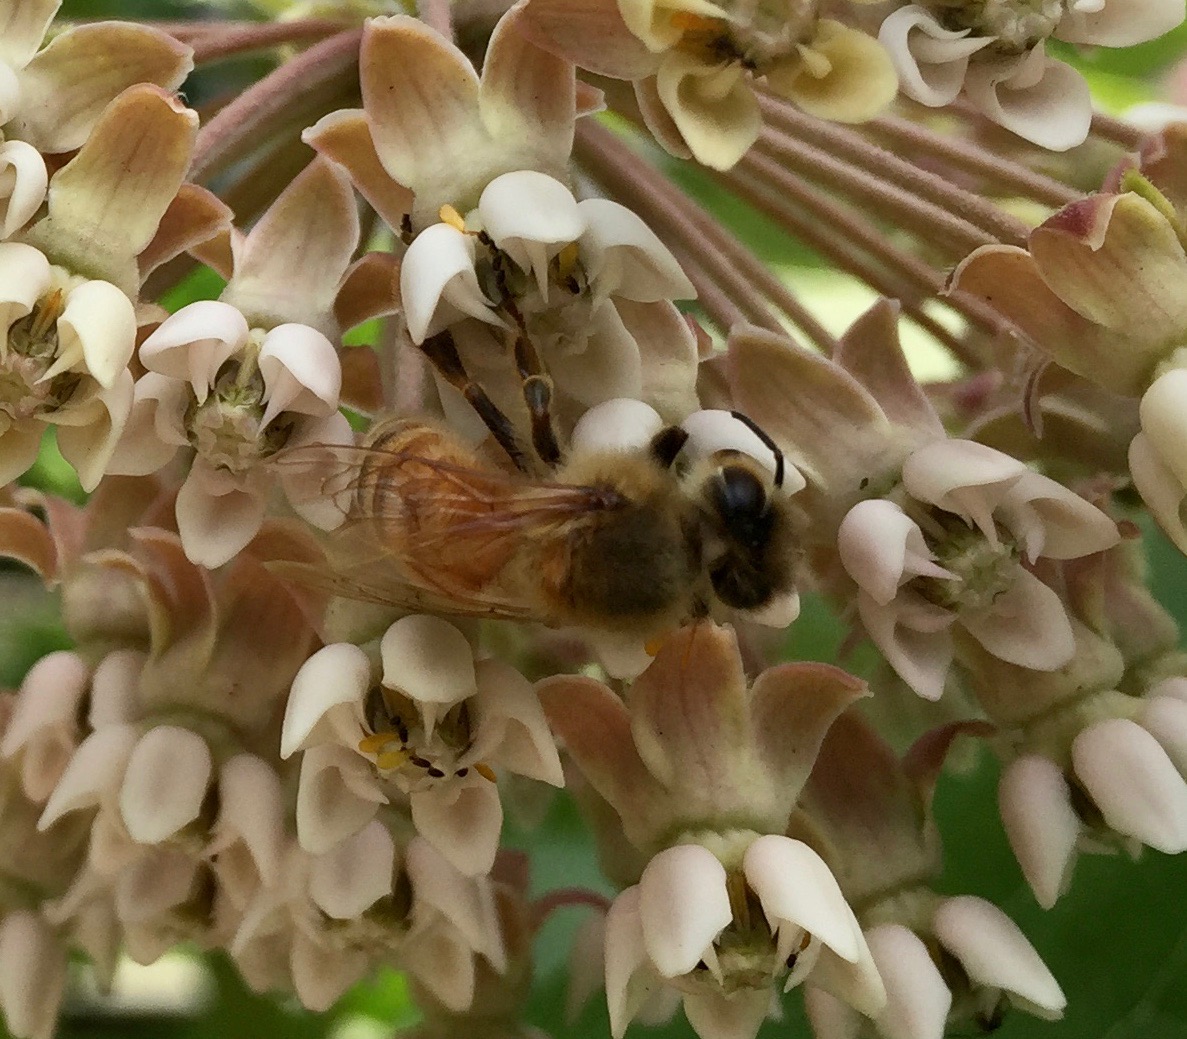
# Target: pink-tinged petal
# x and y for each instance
(739, 1015)
(344, 137)
(292, 261)
(1165, 718)
(829, 1017)
(252, 811)
(795, 887)
(857, 983)
(914, 637)
(525, 213)
(322, 973)
(624, 257)
(528, 94)
(42, 724)
(689, 713)
(301, 372)
(995, 953)
(590, 33)
(1134, 784)
(196, 221)
(32, 975)
(445, 967)
(151, 885)
(23, 181)
(114, 687)
(1160, 488)
(1027, 625)
(881, 548)
(683, 906)
(106, 203)
(25, 277)
(305, 488)
(428, 659)
(668, 350)
(192, 345)
(87, 435)
(462, 819)
(1119, 23)
(713, 107)
(337, 796)
(1042, 100)
(1054, 522)
(438, 283)
(792, 707)
(370, 288)
(712, 430)
(154, 430)
(629, 978)
(96, 332)
(871, 352)
(621, 424)
(1116, 260)
(66, 87)
(931, 61)
(658, 119)
(215, 518)
(333, 676)
(964, 477)
(345, 882)
(25, 538)
(917, 1000)
(608, 367)
(526, 746)
(23, 25)
(165, 783)
(421, 97)
(19, 447)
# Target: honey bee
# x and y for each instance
(629, 541)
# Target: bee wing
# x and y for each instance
(452, 518)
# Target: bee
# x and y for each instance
(634, 541)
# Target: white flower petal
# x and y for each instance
(527, 745)
(462, 819)
(1132, 781)
(1175, 686)
(301, 372)
(438, 283)
(795, 886)
(931, 61)
(19, 448)
(336, 675)
(1054, 522)
(738, 1015)
(193, 344)
(995, 953)
(346, 881)
(96, 332)
(337, 795)
(49, 696)
(607, 364)
(624, 257)
(1042, 100)
(154, 883)
(1042, 827)
(23, 180)
(881, 548)
(96, 768)
(683, 905)
(165, 783)
(629, 978)
(1163, 424)
(154, 431)
(917, 1000)
(1161, 490)
(322, 973)
(914, 638)
(829, 1017)
(428, 659)
(621, 424)
(87, 435)
(1026, 625)
(32, 975)
(216, 517)
(251, 811)
(24, 278)
(1165, 718)
(114, 687)
(964, 477)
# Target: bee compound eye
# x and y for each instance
(739, 493)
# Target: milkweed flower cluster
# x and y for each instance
(494, 465)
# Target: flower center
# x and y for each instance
(984, 570)
(1017, 24)
(756, 34)
(30, 351)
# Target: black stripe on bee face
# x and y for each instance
(765, 437)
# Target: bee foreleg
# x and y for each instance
(442, 353)
(537, 395)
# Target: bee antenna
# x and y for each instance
(765, 437)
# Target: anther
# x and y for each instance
(452, 217)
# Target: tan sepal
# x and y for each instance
(344, 137)
(25, 538)
(713, 107)
(291, 264)
(67, 85)
(362, 379)
(22, 28)
(195, 218)
(105, 204)
(371, 288)
(591, 34)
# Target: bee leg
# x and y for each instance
(442, 353)
(537, 395)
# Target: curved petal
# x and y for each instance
(1040, 823)
(301, 372)
(620, 424)
(438, 283)
(87, 436)
(165, 783)
(1042, 100)
(192, 344)
(1026, 625)
(622, 256)
(23, 26)
(629, 977)
(713, 107)
(882, 548)
(1134, 784)
(917, 1000)
(964, 477)
(715, 1015)
(1053, 521)
(428, 659)
(337, 796)
(252, 811)
(23, 182)
(347, 880)
(1165, 718)
(215, 518)
(914, 638)
(32, 975)
(995, 953)
(931, 61)
(153, 432)
(96, 331)
(94, 771)
(462, 819)
(683, 907)
(19, 447)
(527, 746)
(24, 278)
(608, 365)
(1163, 426)
(1161, 490)
(336, 675)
